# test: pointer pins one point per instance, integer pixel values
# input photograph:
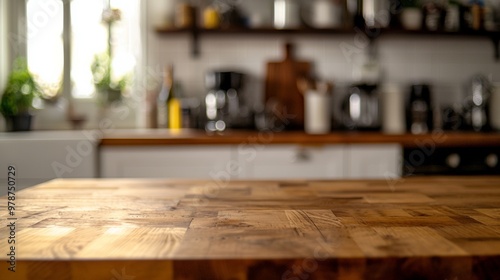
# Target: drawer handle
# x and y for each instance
(302, 155)
(453, 160)
(491, 160)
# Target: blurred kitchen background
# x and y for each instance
(150, 35)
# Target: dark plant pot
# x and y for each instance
(19, 123)
(109, 96)
(114, 95)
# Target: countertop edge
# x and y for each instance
(437, 139)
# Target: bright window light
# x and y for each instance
(45, 43)
(89, 37)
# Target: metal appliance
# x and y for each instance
(476, 108)
(474, 160)
(419, 115)
(361, 108)
(224, 101)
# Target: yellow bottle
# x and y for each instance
(173, 104)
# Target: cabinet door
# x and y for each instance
(374, 161)
(290, 162)
(205, 162)
(42, 156)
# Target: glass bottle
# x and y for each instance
(161, 103)
(173, 103)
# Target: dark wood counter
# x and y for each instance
(415, 228)
(195, 137)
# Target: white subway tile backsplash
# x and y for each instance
(445, 62)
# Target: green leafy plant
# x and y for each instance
(103, 76)
(108, 87)
(17, 99)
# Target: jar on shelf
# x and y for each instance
(286, 14)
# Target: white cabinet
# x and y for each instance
(373, 161)
(198, 162)
(291, 162)
(224, 162)
(40, 156)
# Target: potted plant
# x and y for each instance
(411, 15)
(108, 87)
(17, 99)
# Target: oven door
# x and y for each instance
(452, 161)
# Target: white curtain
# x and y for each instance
(12, 38)
(12, 35)
(3, 45)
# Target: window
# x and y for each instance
(89, 35)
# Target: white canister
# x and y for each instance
(495, 107)
(326, 14)
(317, 112)
(286, 14)
(411, 18)
(393, 109)
(376, 13)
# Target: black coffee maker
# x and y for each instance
(224, 102)
(419, 116)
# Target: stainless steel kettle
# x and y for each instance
(361, 108)
(476, 107)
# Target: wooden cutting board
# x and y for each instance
(281, 86)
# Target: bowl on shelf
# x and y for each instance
(411, 18)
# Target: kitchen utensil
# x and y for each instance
(361, 109)
(419, 116)
(281, 86)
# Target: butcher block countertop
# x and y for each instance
(412, 228)
(161, 137)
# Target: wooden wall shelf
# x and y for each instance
(373, 34)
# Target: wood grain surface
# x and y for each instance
(413, 228)
(162, 137)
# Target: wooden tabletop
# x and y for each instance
(412, 228)
(162, 137)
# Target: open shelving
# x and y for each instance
(373, 34)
